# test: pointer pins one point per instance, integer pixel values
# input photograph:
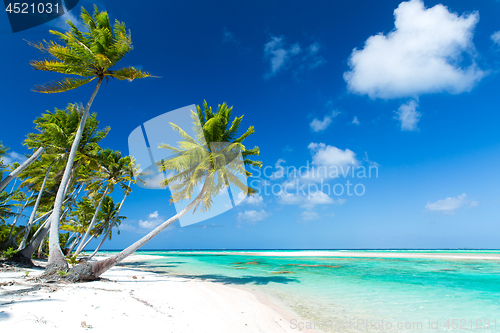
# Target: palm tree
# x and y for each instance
(110, 217)
(196, 162)
(55, 131)
(90, 55)
(114, 168)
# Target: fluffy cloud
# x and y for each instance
(320, 125)
(252, 216)
(449, 205)
(496, 38)
(423, 54)
(154, 220)
(331, 156)
(408, 115)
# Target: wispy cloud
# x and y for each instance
(252, 216)
(309, 216)
(450, 204)
(495, 37)
(13, 157)
(280, 55)
(228, 37)
(355, 121)
(408, 116)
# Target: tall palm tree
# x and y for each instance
(196, 162)
(90, 55)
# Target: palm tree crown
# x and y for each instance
(89, 54)
(216, 156)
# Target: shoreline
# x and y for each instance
(131, 299)
(344, 254)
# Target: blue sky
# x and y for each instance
(409, 88)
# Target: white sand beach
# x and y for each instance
(131, 300)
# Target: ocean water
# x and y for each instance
(355, 294)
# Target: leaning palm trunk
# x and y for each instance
(91, 225)
(56, 257)
(42, 232)
(91, 271)
(33, 212)
(75, 242)
(112, 224)
(87, 242)
(21, 168)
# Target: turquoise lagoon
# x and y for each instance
(353, 294)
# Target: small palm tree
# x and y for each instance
(89, 55)
(201, 161)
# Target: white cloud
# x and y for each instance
(495, 37)
(320, 125)
(331, 156)
(449, 205)
(154, 220)
(355, 121)
(13, 157)
(255, 200)
(309, 216)
(408, 115)
(252, 216)
(423, 54)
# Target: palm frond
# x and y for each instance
(62, 85)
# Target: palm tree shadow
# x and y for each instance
(248, 279)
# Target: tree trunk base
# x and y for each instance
(19, 260)
(54, 271)
(80, 273)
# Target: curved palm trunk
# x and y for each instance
(91, 225)
(87, 242)
(20, 168)
(112, 224)
(36, 240)
(56, 257)
(33, 212)
(75, 242)
(95, 269)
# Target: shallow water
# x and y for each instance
(358, 294)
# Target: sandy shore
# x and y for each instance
(130, 300)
